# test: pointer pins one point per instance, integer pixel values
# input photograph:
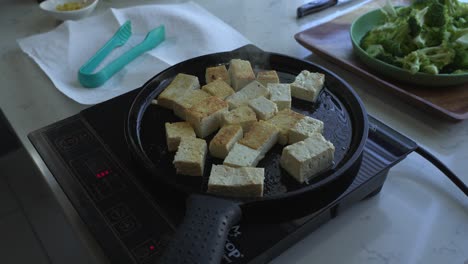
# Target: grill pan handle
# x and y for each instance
(201, 236)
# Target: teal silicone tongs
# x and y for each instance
(90, 79)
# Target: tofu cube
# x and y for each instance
(175, 132)
(190, 156)
(284, 120)
(249, 92)
(205, 117)
(181, 83)
(241, 73)
(262, 136)
(242, 156)
(216, 73)
(243, 116)
(266, 77)
(305, 128)
(280, 94)
(190, 98)
(264, 108)
(218, 88)
(224, 140)
(307, 85)
(236, 182)
(305, 159)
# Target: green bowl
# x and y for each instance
(366, 22)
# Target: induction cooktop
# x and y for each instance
(132, 216)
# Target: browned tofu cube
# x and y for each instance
(205, 116)
(243, 116)
(184, 102)
(218, 88)
(305, 128)
(236, 182)
(175, 132)
(266, 77)
(241, 73)
(306, 159)
(190, 156)
(217, 73)
(224, 140)
(307, 85)
(261, 136)
(249, 92)
(284, 120)
(181, 83)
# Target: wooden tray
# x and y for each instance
(332, 41)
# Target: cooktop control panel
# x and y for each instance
(111, 203)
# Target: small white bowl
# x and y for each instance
(50, 6)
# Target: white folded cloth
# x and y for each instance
(190, 31)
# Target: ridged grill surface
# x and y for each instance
(375, 160)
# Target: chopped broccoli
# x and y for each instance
(392, 31)
(428, 60)
(378, 52)
(420, 4)
(394, 36)
(393, 47)
(435, 15)
(413, 62)
(453, 7)
(460, 22)
(433, 36)
(416, 21)
(404, 12)
(439, 56)
(419, 41)
(427, 36)
(457, 33)
(389, 10)
(419, 16)
(460, 60)
(375, 50)
(414, 26)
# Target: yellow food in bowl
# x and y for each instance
(70, 6)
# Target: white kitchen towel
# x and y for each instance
(190, 31)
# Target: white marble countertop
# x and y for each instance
(419, 217)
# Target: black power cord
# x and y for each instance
(436, 162)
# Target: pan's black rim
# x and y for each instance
(144, 99)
